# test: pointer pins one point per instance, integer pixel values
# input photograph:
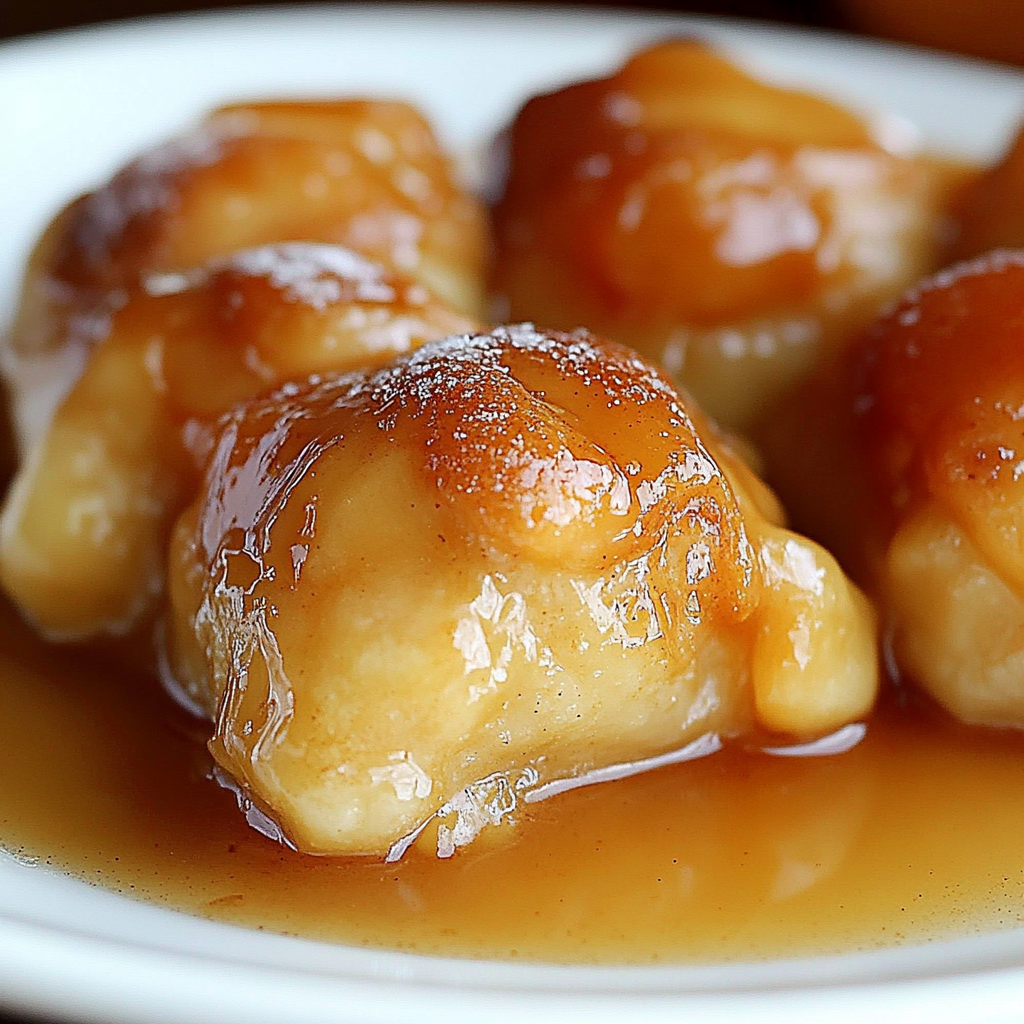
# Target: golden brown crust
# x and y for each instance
(943, 392)
(117, 422)
(942, 408)
(548, 446)
(365, 174)
(730, 229)
(500, 561)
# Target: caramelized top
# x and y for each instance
(117, 423)
(943, 397)
(235, 327)
(368, 175)
(281, 312)
(737, 233)
(547, 446)
(708, 194)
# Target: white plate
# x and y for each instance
(75, 106)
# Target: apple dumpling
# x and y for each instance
(942, 409)
(115, 424)
(734, 231)
(366, 174)
(414, 598)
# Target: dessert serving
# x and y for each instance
(736, 232)
(338, 612)
(486, 570)
(83, 533)
(364, 174)
(942, 401)
(148, 308)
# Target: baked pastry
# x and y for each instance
(414, 597)
(942, 404)
(365, 174)
(734, 231)
(122, 348)
(115, 421)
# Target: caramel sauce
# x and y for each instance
(914, 835)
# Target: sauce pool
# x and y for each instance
(916, 834)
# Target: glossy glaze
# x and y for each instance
(941, 407)
(914, 834)
(152, 304)
(499, 563)
(732, 230)
(364, 174)
(115, 422)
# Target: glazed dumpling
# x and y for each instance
(415, 597)
(115, 423)
(734, 231)
(368, 175)
(942, 410)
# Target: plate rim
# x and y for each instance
(540, 988)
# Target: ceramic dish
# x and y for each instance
(75, 106)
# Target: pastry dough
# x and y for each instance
(365, 174)
(943, 408)
(504, 561)
(116, 422)
(735, 231)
